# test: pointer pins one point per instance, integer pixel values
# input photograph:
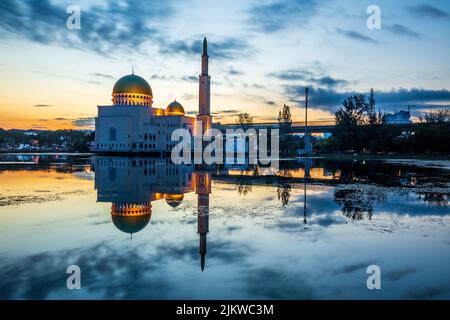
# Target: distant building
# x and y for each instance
(399, 117)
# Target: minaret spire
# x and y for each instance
(205, 47)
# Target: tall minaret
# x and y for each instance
(204, 98)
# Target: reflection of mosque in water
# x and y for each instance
(131, 184)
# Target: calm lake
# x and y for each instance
(143, 228)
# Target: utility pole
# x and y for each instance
(306, 149)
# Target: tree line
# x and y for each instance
(361, 128)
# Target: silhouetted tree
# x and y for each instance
(283, 193)
(285, 124)
(244, 120)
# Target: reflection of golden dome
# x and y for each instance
(174, 199)
(175, 109)
(132, 84)
(131, 218)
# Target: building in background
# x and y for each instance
(399, 117)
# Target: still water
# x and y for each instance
(146, 229)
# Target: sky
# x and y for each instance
(262, 55)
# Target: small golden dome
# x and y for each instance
(175, 109)
(174, 199)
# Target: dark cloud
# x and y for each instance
(229, 111)
(291, 75)
(310, 77)
(42, 105)
(60, 119)
(190, 79)
(328, 81)
(427, 10)
(353, 267)
(83, 122)
(234, 72)
(330, 99)
(271, 283)
(281, 14)
(399, 274)
(402, 30)
(227, 48)
(160, 77)
(105, 29)
(356, 36)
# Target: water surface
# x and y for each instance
(146, 229)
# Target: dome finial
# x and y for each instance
(132, 70)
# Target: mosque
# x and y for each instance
(132, 125)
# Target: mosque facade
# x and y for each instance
(132, 125)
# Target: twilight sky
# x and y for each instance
(262, 55)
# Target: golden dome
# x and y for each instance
(131, 218)
(175, 109)
(174, 199)
(131, 224)
(132, 84)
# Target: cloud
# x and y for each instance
(399, 274)
(104, 28)
(330, 99)
(356, 36)
(229, 111)
(102, 75)
(429, 11)
(160, 77)
(281, 14)
(225, 48)
(60, 119)
(402, 30)
(84, 122)
(353, 267)
(42, 105)
(190, 78)
(234, 72)
(309, 78)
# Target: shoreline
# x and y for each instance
(336, 156)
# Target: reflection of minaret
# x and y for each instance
(304, 203)
(203, 189)
(204, 99)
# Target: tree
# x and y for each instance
(285, 124)
(244, 120)
(285, 119)
(436, 116)
(358, 124)
(351, 115)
